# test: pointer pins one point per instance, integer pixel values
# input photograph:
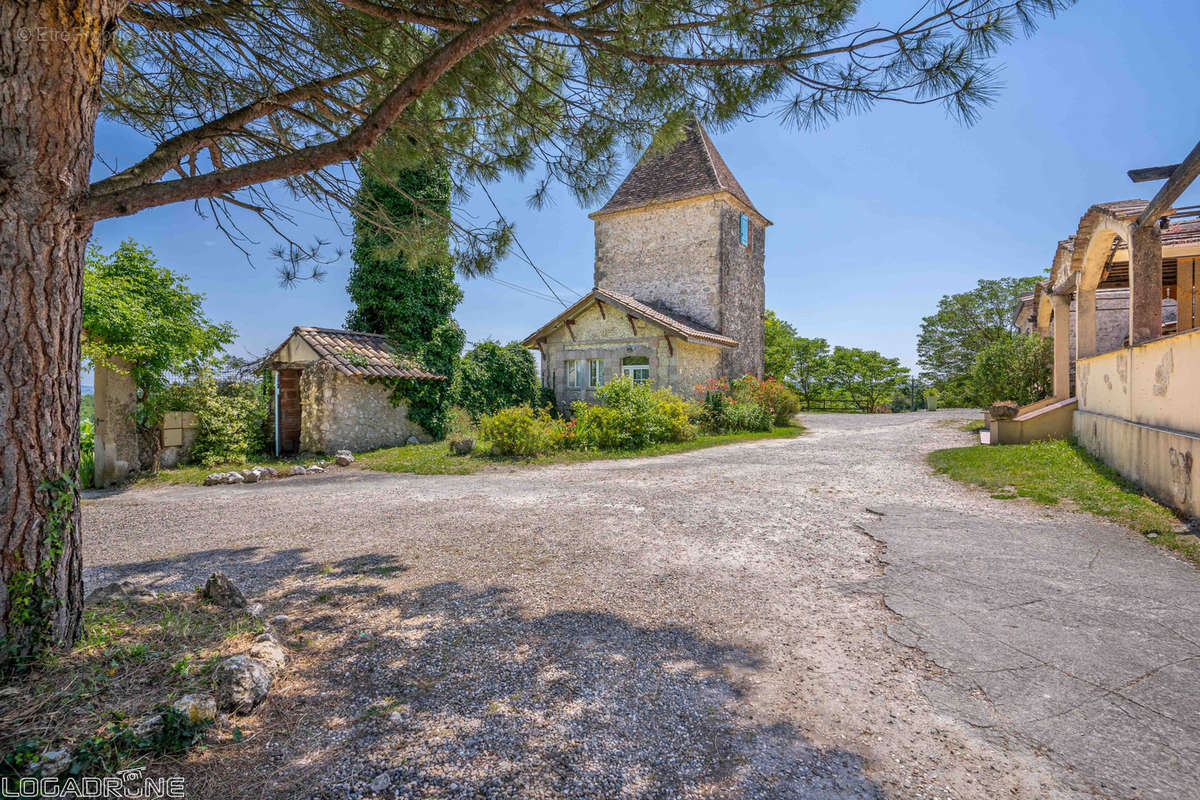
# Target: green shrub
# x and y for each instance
(230, 419)
(492, 376)
(87, 453)
(630, 415)
(747, 417)
(675, 414)
(521, 431)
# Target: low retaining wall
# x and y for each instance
(1160, 460)
(1139, 411)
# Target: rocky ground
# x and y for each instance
(708, 624)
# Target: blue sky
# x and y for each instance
(875, 217)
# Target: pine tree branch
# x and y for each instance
(306, 159)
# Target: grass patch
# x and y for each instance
(436, 458)
(136, 657)
(1047, 472)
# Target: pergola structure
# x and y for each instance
(1128, 393)
(1144, 246)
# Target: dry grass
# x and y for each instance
(136, 656)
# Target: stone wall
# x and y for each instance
(117, 447)
(743, 294)
(609, 337)
(338, 411)
(1112, 319)
(665, 255)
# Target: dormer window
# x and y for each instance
(744, 230)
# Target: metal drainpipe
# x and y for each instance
(275, 372)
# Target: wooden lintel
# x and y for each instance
(670, 349)
(632, 323)
(600, 305)
(1181, 178)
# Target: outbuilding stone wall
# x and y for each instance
(342, 412)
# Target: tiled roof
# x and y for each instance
(363, 354)
(691, 168)
(669, 321)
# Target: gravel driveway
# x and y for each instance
(709, 624)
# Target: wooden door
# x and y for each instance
(289, 411)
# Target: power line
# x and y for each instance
(525, 255)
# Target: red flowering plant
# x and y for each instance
(779, 400)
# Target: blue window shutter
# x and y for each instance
(744, 229)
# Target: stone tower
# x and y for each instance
(681, 235)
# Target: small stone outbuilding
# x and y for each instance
(679, 291)
(331, 392)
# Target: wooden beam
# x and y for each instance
(600, 306)
(570, 330)
(1181, 178)
(670, 349)
(632, 324)
(1151, 173)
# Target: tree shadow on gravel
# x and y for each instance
(442, 691)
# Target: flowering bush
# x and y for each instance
(780, 401)
(745, 404)
(521, 431)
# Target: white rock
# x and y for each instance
(343, 460)
(250, 476)
(381, 783)
(197, 707)
(270, 654)
(297, 470)
(280, 621)
(315, 469)
(234, 477)
(241, 683)
(256, 610)
(214, 478)
(148, 726)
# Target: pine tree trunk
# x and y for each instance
(51, 57)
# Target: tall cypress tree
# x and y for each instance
(409, 294)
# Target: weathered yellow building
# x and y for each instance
(679, 292)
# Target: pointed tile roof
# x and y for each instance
(691, 168)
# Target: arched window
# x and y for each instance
(636, 367)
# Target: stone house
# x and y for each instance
(324, 396)
(679, 293)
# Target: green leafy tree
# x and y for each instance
(241, 99)
(965, 324)
(800, 362)
(138, 313)
(408, 292)
(1016, 367)
(492, 376)
(868, 378)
